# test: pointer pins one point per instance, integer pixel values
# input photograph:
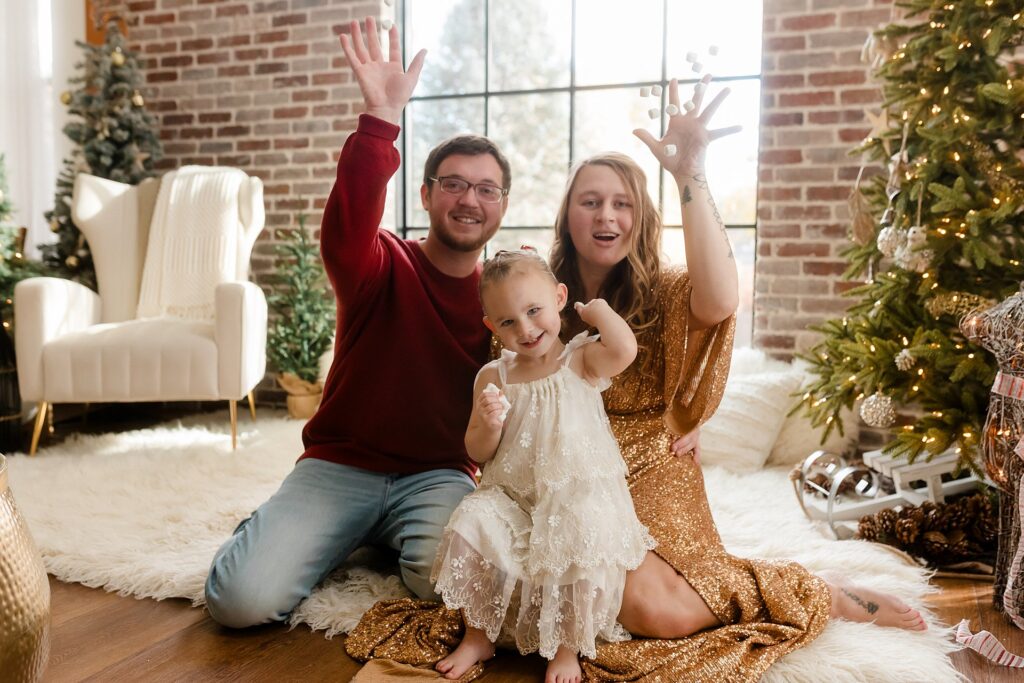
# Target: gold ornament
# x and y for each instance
(71, 261)
(863, 225)
(117, 57)
(65, 97)
(137, 99)
(54, 225)
(878, 411)
(957, 304)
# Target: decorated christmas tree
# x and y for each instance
(936, 236)
(14, 267)
(302, 329)
(114, 138)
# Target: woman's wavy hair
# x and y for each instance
(630, 287)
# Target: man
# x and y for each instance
(385, 460)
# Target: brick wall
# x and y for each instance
(262, 86)
(814, 92)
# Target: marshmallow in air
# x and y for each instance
(656, 90)
(491, 389)
(653, 112)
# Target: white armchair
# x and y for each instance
(76, 346)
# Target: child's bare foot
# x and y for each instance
(564, 668)
(858, 603)
(475, 647)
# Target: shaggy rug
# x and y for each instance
(143, 512)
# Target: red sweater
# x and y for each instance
(410, 339)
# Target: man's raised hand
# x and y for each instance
(384, 82)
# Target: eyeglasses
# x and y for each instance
(485, 192)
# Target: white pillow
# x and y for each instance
(798, 439)
(741, 433)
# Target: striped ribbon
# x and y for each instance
(1008, 385)
(988, 646)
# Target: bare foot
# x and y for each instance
(475, 647)
(564, 668)
(857, 603)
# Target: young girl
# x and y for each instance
(537, 555)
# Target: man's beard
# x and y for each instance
(465, 245)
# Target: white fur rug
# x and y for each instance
(143, 512)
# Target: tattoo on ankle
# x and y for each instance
(687, 195)
(869, 607)
(702, 182)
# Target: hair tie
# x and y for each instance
(527, 247)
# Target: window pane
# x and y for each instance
(743, 248)
(452, 32)
(733, 25)
(529, 44)
(618, 46)
(533, 132)
(732, 160)
(512, 238)
(605, 121)
(428, 123)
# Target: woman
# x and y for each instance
(705, 615)
(607, 243)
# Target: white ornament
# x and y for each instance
(713, 50)
(910, 255)
(386, 24)
(889, 240)
(691, 57)
(670, 150)
(671, 110)
(688, 105)
(905, 360)
(654, 112)
(878, 411)
(491, 389)
(645, 91)
(656, 90)
(697, 67)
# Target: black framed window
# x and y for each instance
(552, 81)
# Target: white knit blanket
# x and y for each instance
(193, 242)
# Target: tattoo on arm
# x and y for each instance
(869, 607)
(687, 195)
(702, 182)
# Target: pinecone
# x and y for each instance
(907, 531)
(886, 520)
(867, 528)
(935, 544)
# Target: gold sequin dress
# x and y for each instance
(767, 608)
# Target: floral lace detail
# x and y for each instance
(537, 556)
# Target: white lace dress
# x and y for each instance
(537, 555)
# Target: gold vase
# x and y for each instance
(24, 595)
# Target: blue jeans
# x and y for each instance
(322, 512)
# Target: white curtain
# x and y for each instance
(32, 75)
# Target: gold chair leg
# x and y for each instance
(37, 428)
(234, 423)
(252, 406)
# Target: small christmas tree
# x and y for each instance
(14, 267)
(302, 330)
(114, 138)
(937, 238)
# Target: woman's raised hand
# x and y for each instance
(384, 82)
(687, 131)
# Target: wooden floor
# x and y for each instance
(100, 636)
